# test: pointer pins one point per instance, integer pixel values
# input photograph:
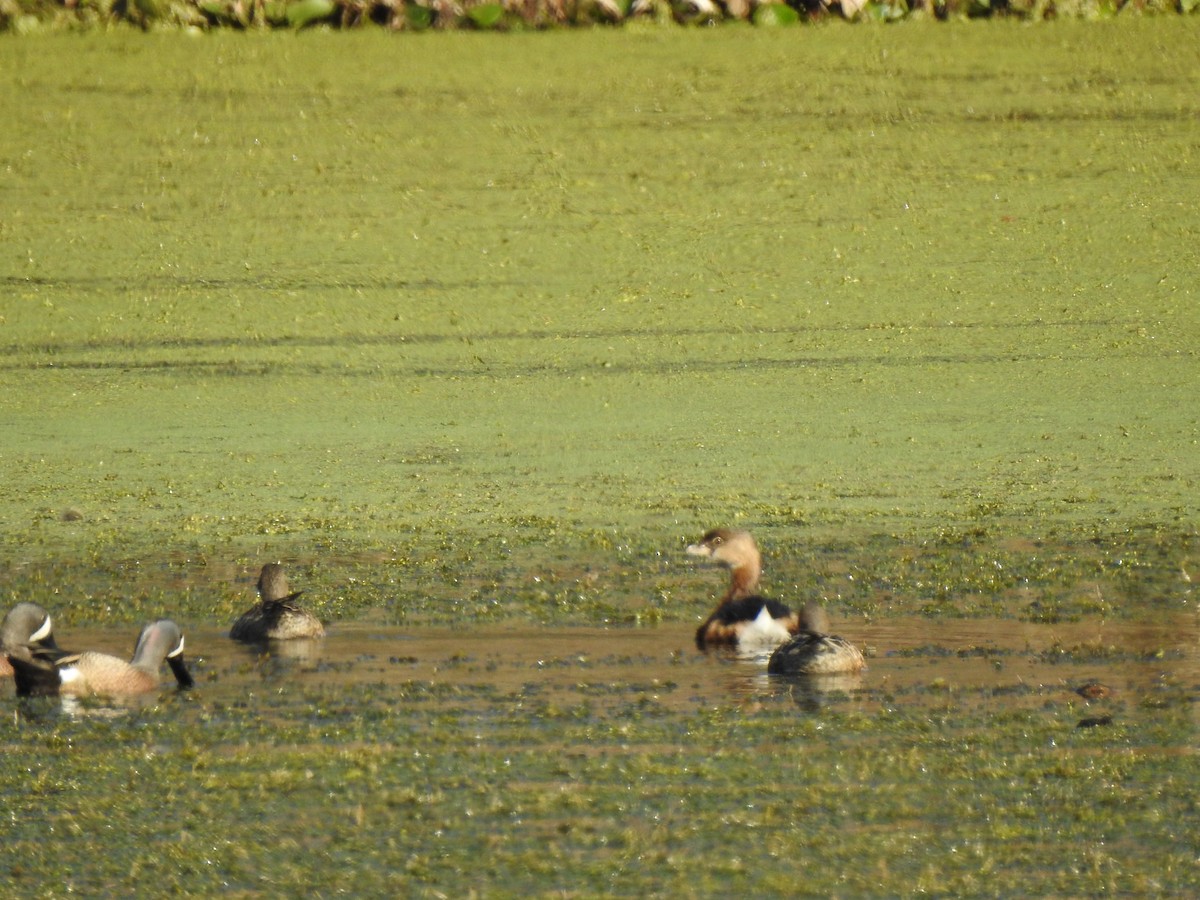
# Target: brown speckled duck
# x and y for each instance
(277, 616)
(742, 618)
(26, 632)
(56, 672)
(813, 651)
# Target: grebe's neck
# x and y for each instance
(743, 578)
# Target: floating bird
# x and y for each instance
(742, 617)
(277, 616)
(814, 651)
(42, 670)
(27, 633)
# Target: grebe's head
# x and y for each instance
(272, 582)
(813, 618)
(727, 547)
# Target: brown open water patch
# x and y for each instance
(912, 661)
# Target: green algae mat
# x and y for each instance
(480, 330)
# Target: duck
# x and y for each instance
(814, 651)
(26, 631)
(49, 671)
(277, 616)
(742, 618)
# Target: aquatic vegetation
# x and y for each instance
(27, 16)
(476, 370)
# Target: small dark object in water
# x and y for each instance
(1093, 721)
(1094, 690)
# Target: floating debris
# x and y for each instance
(1094, 690)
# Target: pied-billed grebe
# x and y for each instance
(91, 672)
(277, 616)
(814, 651)
(742, 617)
(26, 633)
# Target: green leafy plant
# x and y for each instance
(772, 15)
(307, 12)
(486, 16)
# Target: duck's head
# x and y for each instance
(159, 641)
(27, 643)
(27, 626)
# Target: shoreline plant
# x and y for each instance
(25, 17)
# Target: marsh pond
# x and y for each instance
(475, 333)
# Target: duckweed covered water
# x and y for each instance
(478, 333)
(265, 302)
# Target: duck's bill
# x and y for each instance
(180, 671)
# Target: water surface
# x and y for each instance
(914, 658)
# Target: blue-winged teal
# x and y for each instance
(25, 632)
(99, 673)
(277, 616)
(814, 651)
(742, 617)
(91, 672)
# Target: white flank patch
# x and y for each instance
(763, 633)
